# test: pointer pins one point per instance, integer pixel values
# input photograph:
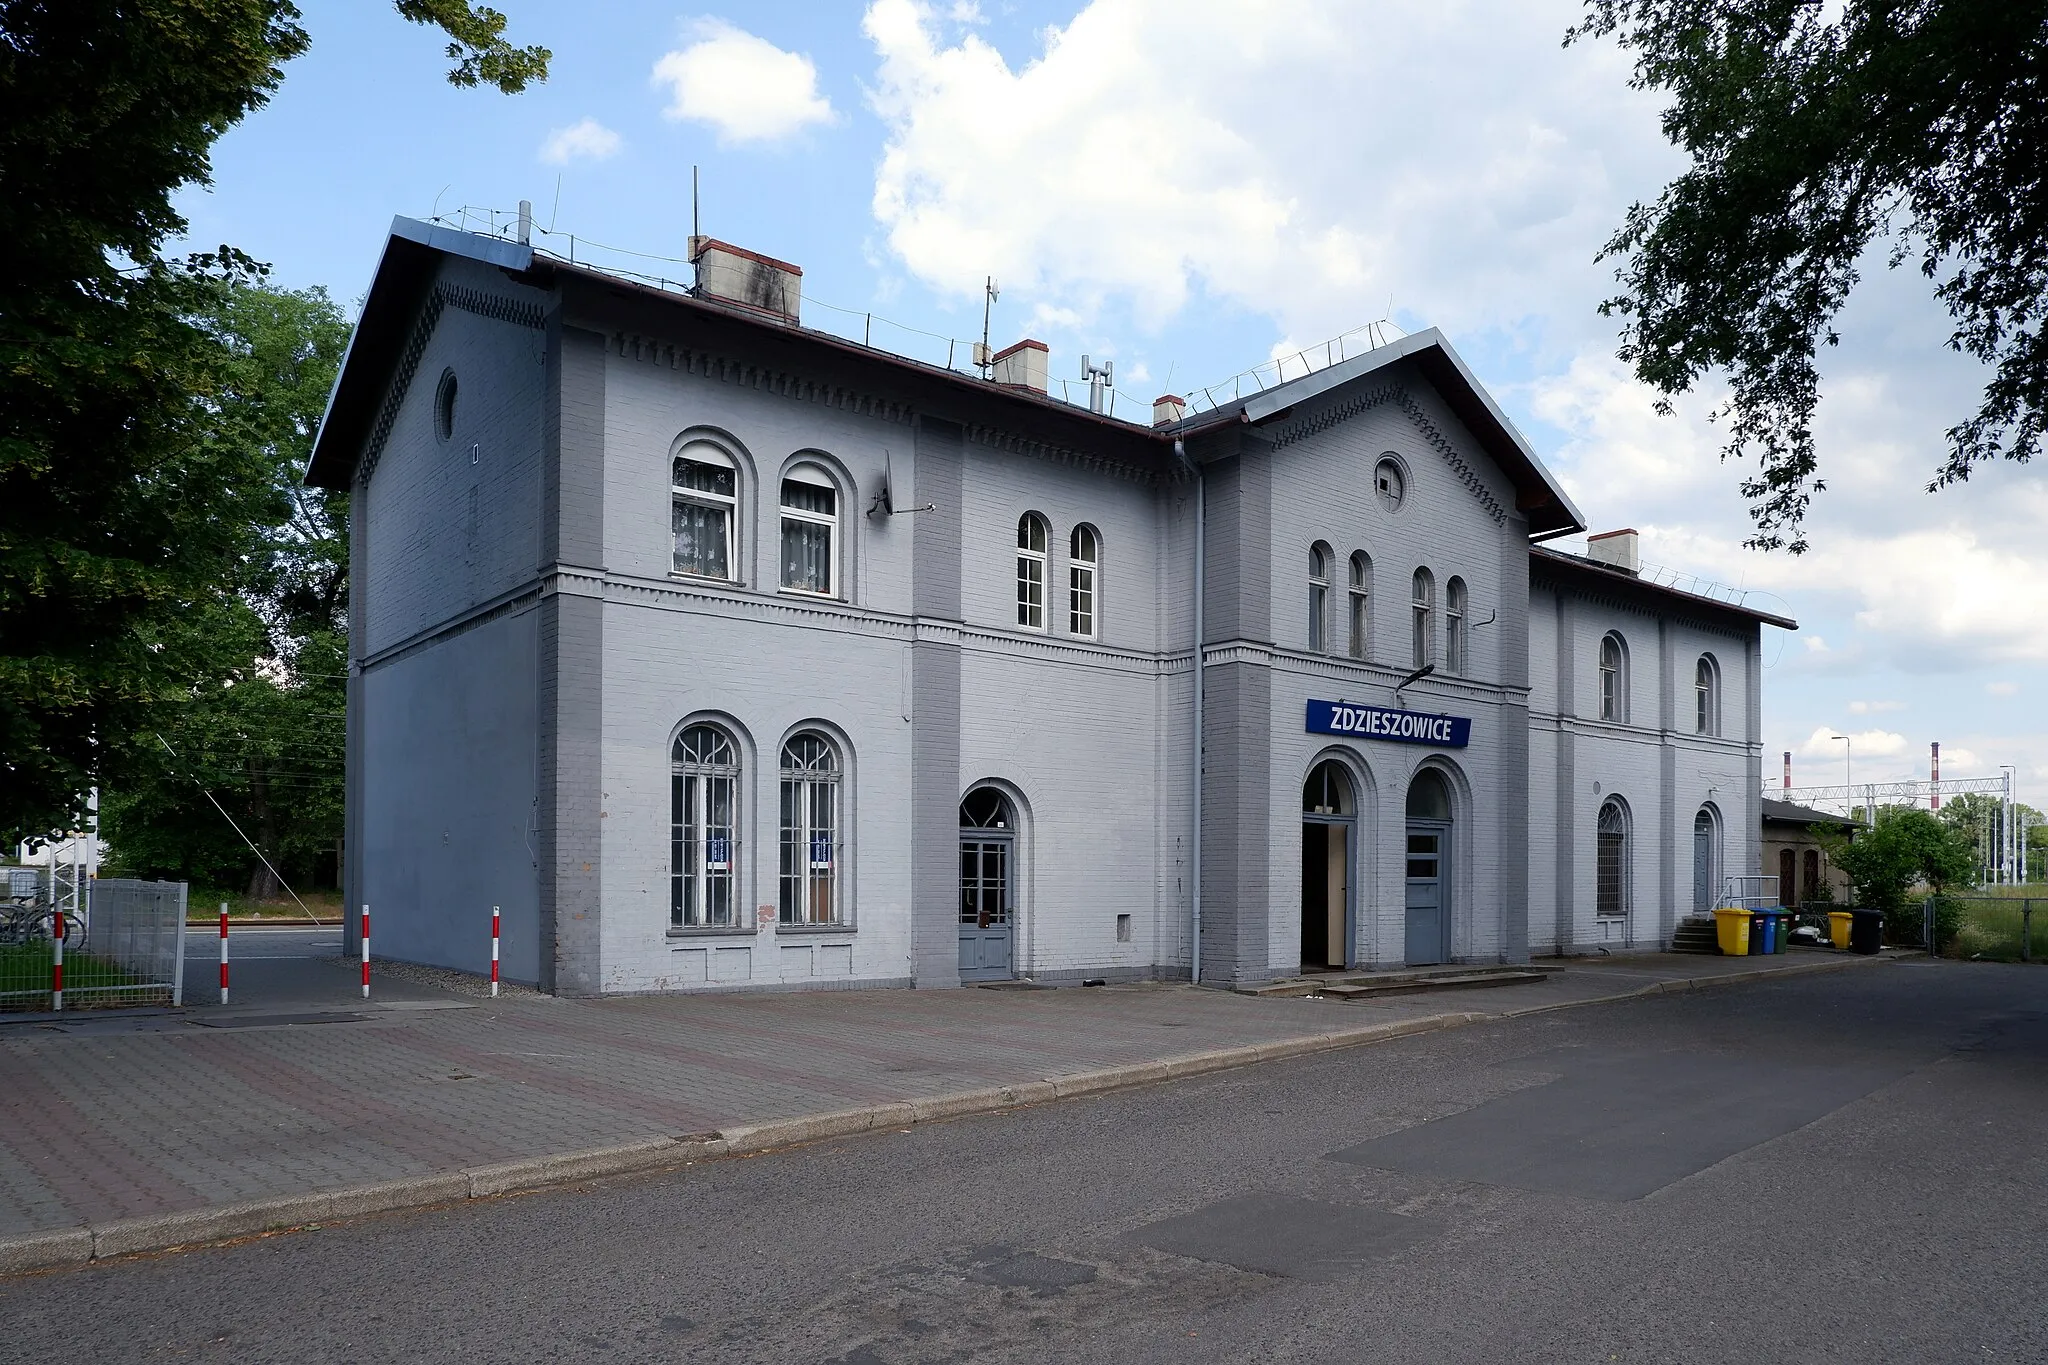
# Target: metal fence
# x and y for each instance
(126, 947)
(1999, 928)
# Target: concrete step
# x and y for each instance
(1354, 989)
(1448, 977)
(1695, 934)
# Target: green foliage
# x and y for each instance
(479, 50)
(136, 483)
(1921, 121)
(1905, 849)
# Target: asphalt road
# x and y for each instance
(1847, 1166)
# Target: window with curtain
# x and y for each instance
(1083, 550)
(1031, 538)
(704, 495)
(1454, 625)
(1318, 596)
(810, 532)
(1423, 610)
(1361, 604)
(703, 829)
(1613, 679)
(810, 831)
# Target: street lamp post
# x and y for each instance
(1849, 779)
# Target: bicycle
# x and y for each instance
(28, 920)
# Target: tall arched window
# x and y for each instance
(1031, 538)
(705, 494)
(1361, 604)
(810, 831)
(1610, 860)
(1083, 551)
(1814, 889)
(1454, 625)
(703, 814)
(1423, 610)
(1613, 678)
(1706, 860)
(810, 531)
(1318, 596)
(1706, 695)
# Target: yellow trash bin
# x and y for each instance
(1731, 928)
(1838, 927)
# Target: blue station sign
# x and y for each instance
(1380, 722)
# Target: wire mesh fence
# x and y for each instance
(1998, 928)
(118, 943)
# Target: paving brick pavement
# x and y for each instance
(115, 1118)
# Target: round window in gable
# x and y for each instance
(444, 406)
(1389, 483)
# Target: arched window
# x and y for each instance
(810, 531)
(1706, 695)
(986, 808)
(1814, 889)
(1610, 861)
(1788, 878)
(703, 813)
(1706, 860)
(810, 831)
(1031, 538)
(1429, 796)
(1318, 596)
(1328, 791)
(1613, 678)
(444, 405)
(1454, 625)
(1423, 609)
(1361, 604)
(1083, 552)
(705, 495)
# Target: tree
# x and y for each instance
(121, 508)
(1816, 130)
(261, 731)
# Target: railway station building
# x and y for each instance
(722, 653)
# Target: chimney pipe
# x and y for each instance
(1788, 770)
(1935, 801)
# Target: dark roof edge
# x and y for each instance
(1622, 579)
(1792, 813)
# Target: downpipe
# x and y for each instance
(1198, 668)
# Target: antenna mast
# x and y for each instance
(696, 238)
(984, 359)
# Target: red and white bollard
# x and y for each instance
(366, 952)
(223, 952)
(57, 965)
(494, 952)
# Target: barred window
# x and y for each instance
(1610, 864)
(1083, 552)
(705, 494)
(1031, 538)
(811, 843)
(810, 531)
(704, 831)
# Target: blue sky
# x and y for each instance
(1191, 187)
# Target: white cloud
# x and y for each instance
(1824, 743)
(745, 87)
(1869, 708)
(585, 140)
(2002, 689)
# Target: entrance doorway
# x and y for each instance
(988, 848)
(1329, 817)
(1429, 869)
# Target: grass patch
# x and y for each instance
(203, 906)
(1993, 926)
(25, 978)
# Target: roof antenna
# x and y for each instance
(557, 208)
(696, 238)
(984, 359)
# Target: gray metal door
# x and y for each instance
(1429, 900)
(1702, 864)
(985, 906)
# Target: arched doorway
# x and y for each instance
(988, 901)
(1329, 821)
(1429, 869)
(1705, 861)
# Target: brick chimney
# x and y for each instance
(1023, 366)
(761, 284)
(1615, 548)
(1167, 409)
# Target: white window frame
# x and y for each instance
(1031, 566)
(1613, 678)
(1319, 598)
(703, 776)
(1084, 577)
(1706, 689)
(1455, 602)
(1359, 617)
(810, 892)
(810, 476)
(1422, 617)
(1623, 857)
(726, 505)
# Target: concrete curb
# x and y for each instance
(58, 1248)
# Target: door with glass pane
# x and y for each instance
(985, 906)
(1429, 919)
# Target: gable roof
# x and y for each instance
(1790, 813)
(1615, 579)
(1538, 495)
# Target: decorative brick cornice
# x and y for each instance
(726, 370)
(1397, 394)
(996, 439)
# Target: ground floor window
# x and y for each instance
(702, 830)
(1610, 866)
(810, 832)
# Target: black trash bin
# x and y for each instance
(1866, 931)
